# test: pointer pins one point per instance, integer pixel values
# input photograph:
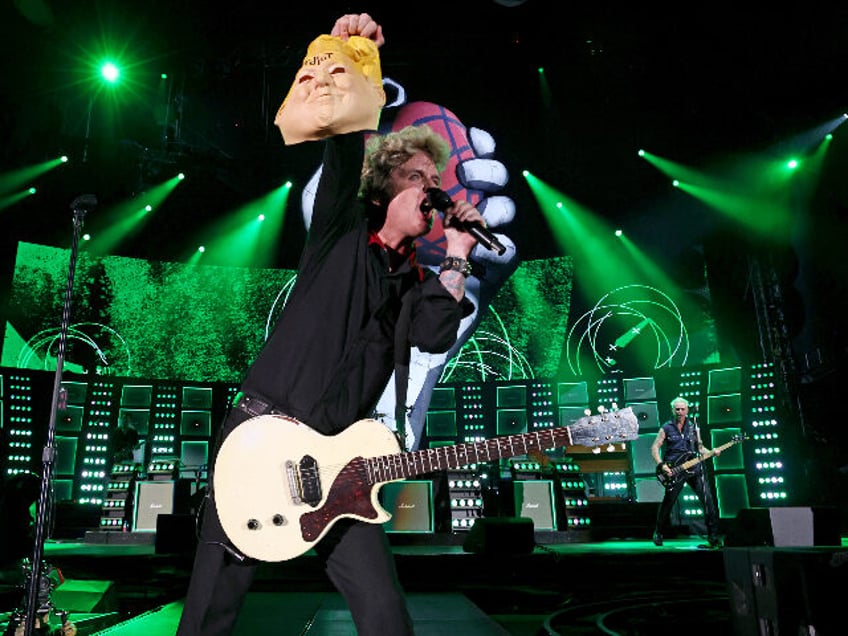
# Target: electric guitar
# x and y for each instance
(682, 469)
(279, 485)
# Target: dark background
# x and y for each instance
(704, 86)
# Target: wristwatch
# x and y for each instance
(455, 263)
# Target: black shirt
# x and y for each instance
(332, 351)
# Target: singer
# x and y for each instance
(360, 303)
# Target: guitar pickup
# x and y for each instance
(304, 481)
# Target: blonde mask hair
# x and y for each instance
(338, 89)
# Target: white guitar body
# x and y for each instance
(258, 483)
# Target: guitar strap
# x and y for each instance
(402, 356)
(691, 437)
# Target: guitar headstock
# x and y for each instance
(605, 428)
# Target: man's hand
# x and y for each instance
(458, 241)
(360, 24)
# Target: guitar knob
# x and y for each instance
(253, 524)
(279, 520)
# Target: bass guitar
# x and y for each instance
(280, 485)
(682, 469)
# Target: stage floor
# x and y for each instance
(559, 586)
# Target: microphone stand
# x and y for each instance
(706, 482)
(80, 206)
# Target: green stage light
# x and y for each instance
(181, 176)
(248, 236)
(32, 190)
(63, 159)
(675, 183)
(86, 237)
(618, 232)
(792, 164)
(201, 249)
(110, 72)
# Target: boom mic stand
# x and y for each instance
(81, 205)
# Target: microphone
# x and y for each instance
(441, 201)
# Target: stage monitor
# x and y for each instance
(724, 409)
(136, 419)
(647, 415)
(136, 396)
(572, 393)
(568, 415)
(441, 424)
(66, 454)
(197, 397)
(511, 397)
(69, 420)
(443, 398)
(511, 421)
(727, 380)
(639, 389)
(75, 392)
(195, 424)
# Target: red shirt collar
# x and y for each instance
(374, 239)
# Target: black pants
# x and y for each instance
(356, 557)
(698, 483)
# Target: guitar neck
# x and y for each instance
(403, 465)
(697, 460)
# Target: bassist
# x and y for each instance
(679, 440)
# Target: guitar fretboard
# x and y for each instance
(402, 465)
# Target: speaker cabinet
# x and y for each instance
(534, 499)
(500, 535)
(411, 505)
(777, 591)
(649, 489)
(640, 454)
(785, 527)
(153, 498)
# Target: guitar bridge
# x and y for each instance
(294, 483)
